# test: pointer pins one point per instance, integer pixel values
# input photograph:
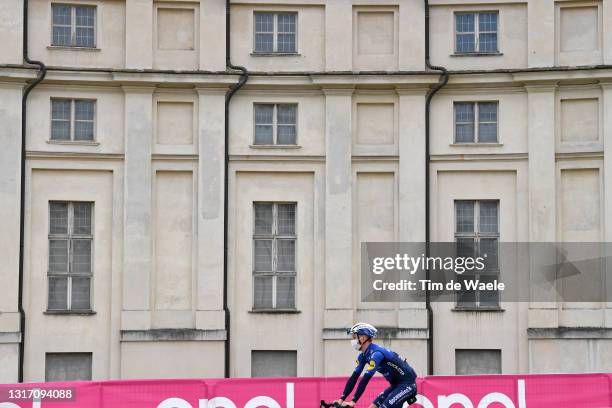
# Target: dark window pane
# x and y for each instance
(464, 133)
(487, 22)
(488, 216)
(285, 292)
(84, 37)
(83, 131)
(286, 23)
(465, 216)
(264, 135)
(286, 42)
(263, 218)
(85, 16)
(286, 219)
(68, 367)
(61, 14)
(487, 132)
(287, 135)
(464, 112)
(465, 297)
(81, 256)
(82, 219)
(464, 23)
(287, 114)
(487, 42)
(489, 250)
(58, 218)
(263, 255)
(465, 247)
(58, 255)
(264, 22)
(58, 293)
(61, 36)
(286, 255)
(466, 43)
(488, 297)
(60, 130)
(263, 292)
(264, 42)
(84, 110)
(81, 296)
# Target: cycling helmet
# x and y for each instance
(363, 329)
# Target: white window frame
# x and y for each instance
(476, 122)
(274, 236)
(477, 235)
(476, 31)
(69, 236)
(274, 123)
(73, 119)
(275, 32)
(73, 8)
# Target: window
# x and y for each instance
(477, 234)
(74, 26)
(476, 122)
(475, 362)
(273, 363)
(275, 124)
(68, 366)
(476, 32)
(72, 119)
(70, 249)
(275, 33)
(274, 240)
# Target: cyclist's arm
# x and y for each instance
(372, 366)
(350, 384)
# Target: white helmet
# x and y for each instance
(364, 329)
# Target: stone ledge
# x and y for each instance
(10, 337)
(383, 333)
(570, 333)
(172, 335)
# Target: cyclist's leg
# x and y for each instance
(399, 395)
(381, 397)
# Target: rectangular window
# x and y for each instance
(72, 119)
(266, 363)
(73, 26)
(274, 250)
(70, 255)
(476, 122)
(275, 32)
(476, 32)
(275, 124)
(476, 362)
(477, 234)
(68, 366)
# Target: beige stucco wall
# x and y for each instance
(156, 175)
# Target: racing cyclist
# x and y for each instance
(400, 375)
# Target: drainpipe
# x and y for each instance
(430, 94)
(244, 76)
(40, 76)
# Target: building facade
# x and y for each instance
(124, 207)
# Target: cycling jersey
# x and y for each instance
(377, 358)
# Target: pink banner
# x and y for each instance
(494, 391)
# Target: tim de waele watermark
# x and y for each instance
(410, 264)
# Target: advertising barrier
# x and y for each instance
(487, 391)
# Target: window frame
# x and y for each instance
(275, 33)
(274, 273)
(476, 123)
(69, 236)
(72, 121)
(73, 26)
(476, 32)
(477, 235)
(275, 124)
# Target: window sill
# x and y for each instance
(476, 144)
(74, 142)
(477, 54)
(70, 312)
(478, 309)
(277, 146)
(275, 311)
(73, 48)
(276, 54)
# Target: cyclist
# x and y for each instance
(400, 375)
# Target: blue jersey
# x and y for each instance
(377, 358)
